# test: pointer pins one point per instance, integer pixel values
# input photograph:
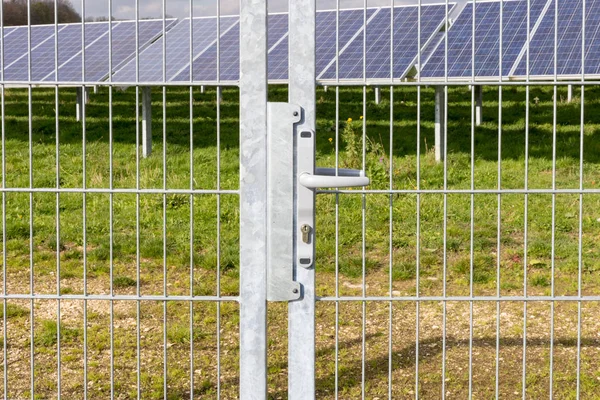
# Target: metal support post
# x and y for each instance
(146, 121)
(253, 200)
(83, 94)
(569, 93)
(478, 104)
(78, 105)
(377, 95)
(440, 128)
(302, 91)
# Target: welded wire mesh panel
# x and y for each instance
(466, 268)
(135, 219)
(120, 257)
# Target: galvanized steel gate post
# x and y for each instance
(302, 86)
(253, 199)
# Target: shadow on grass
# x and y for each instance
(177, 109)
(377, 368)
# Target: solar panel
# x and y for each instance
(278, 61)
(69, 69)
(42, 56)
(178, 50)
(487, 39)
(8, 30)
(350, 44)
(97, 58)
(350, 28)
(277, 57)
(592, 37)
(569, 18)
(205, 64)
(16, 44)
(406, 27)
(69, 45)
(123, 38)
(277, 25)
(123, 46)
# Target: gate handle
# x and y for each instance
(327, 178)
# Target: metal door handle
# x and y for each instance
(326, 177)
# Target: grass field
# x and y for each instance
(405, 249)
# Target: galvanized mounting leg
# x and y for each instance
(325, 88)
(377, 95)
(569, 93)
(95, 89)
(146, 121)
(202, 89)
(440, 127)
(83, 94)
(478, 104)
(219, 95)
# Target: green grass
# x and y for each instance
(13, 311)
(195, 263)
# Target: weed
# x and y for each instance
(124, 282)
(540, 280)
(13, 311)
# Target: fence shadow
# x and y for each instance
(177, 109)
(405, 358)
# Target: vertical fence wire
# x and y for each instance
(4, 257)
(337, 198)
(581, 187)
(110, 199)
(499, 200)
(218, 219)
(445, 200)
(526, 203)
(364, 208)
(57, 196)
(553, 238)
(31, 243)
(191, 197)
(138, 350)
(391, 205)
(164, 199)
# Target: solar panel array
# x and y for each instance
(387, 37)
(348, 41)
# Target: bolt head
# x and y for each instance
(295, 113)
(295, 291)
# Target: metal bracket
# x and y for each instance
(281, 118)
